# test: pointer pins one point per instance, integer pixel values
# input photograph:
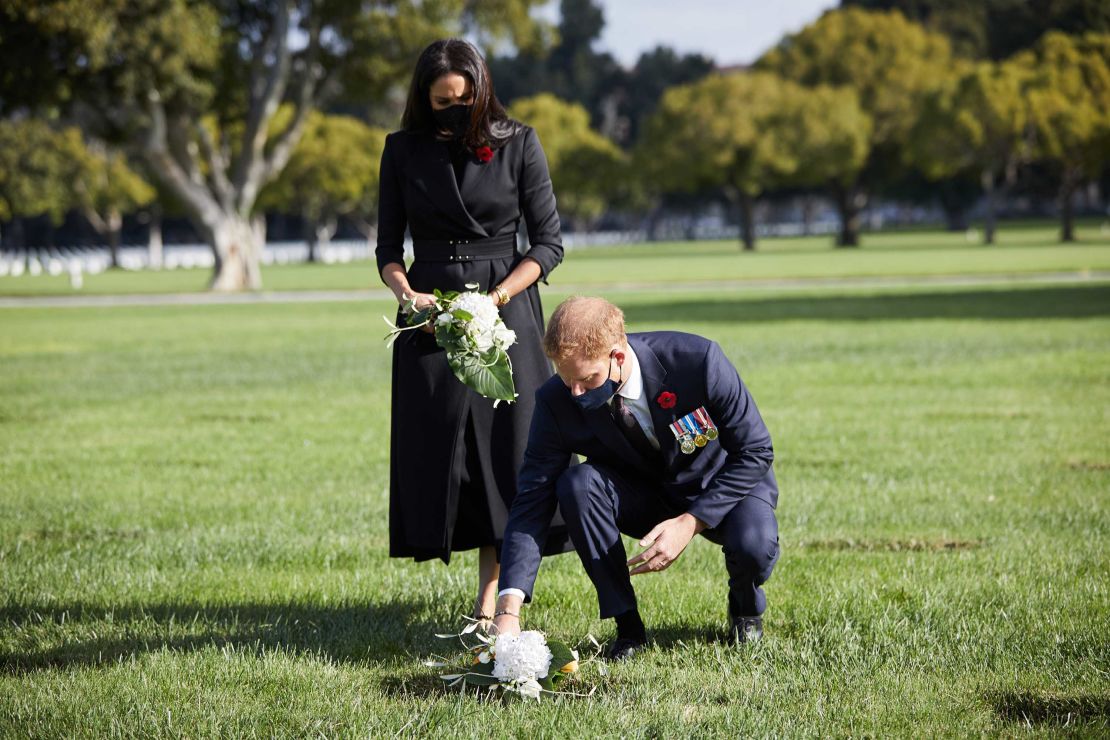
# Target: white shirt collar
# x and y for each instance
(633, 386)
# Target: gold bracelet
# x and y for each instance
(502, 295)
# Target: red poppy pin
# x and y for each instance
(483, 153)
(666, 400)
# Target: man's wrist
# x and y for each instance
(698, 524)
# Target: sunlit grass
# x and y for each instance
(1021, 249)
(193, 528)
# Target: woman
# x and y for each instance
(460, 175)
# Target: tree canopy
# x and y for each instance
(747, 132)
(193, 86)
(586, 167)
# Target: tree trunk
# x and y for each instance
(654, 217)
(15, 233)
(368, 230)
(325, 230)
(987, 180)
(310, 232)
(849, 203)
(237, 244)
(1067, 214)
(747, 221)
(154, 238)
(954, 204)
(114, 224)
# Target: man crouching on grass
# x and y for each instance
(674, 447)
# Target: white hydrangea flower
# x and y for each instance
(486, 330)
(505, 336)
(480, 306)
(521, 658)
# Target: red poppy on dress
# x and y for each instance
(666, 400)
(483, 153)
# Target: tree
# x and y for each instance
(655, 71)
(331, 173)
(826, 133)
(147, 73)
(891, 64)
(104, 187)
(744, 133)
(618, 100)
(997, 29)
(586, 168)
(34, 172)
(977, 122)
(1069, 104)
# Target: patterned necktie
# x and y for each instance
(631, 429)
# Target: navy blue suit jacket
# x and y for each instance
(707, 484)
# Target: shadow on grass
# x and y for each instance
(1082, 301)
(347, 633)
(1088, 711)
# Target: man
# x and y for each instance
(674, 447)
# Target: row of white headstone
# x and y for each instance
(79, 261)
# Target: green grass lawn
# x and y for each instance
(193, 528)
(1021, 249)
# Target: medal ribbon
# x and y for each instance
(703, 417)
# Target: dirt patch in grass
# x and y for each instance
(1088, 465)
(893, 544)
(1047, 708)
(97, 534)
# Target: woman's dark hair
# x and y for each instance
(489, 124)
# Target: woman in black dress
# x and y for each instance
(461, 175)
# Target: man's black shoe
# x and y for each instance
(746, 629)
(624, 648)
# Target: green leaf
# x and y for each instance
(478, 679)
(462, 315)
(490, 380)
(486, 669)
(419, 317)
(560, 655)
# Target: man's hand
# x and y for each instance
(665, 543)
(507, 621)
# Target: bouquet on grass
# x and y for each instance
(527, 664)
(469, 328)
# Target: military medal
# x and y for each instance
(707, 423)
(685, 440)
(690, 422)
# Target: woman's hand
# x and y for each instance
(420, 301)
(423, 300)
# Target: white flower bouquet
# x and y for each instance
(527, 664)
(469, 328)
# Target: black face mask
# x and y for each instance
(594, 399)
(455, 118)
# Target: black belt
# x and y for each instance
(464, 250)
